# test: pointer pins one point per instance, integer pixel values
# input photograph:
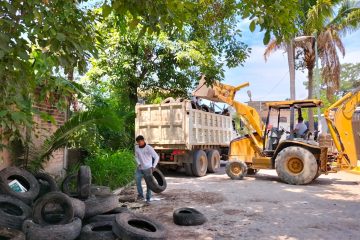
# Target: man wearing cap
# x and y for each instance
(146, 159)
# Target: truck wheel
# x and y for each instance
(200, 163)
(213, 157)
(296, 165)
(188, 169)
(236, 169)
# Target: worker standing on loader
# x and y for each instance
(146, 159)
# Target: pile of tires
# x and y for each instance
(80, 211)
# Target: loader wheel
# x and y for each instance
(213, 157)
(236, 169)
(296, 165)
(200, 163)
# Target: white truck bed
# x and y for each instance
(165, 126)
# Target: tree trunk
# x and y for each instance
(291, 62)
(311, 96)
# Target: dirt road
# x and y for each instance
(262, 207)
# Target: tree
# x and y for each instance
(327, 25)
(132, 59)
(349, 76)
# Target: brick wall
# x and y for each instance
(41, 130)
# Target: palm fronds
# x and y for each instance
(272, 47)
(60, 138)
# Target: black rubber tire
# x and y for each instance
(100, 190)
(236, 169)
(46, 182)
(155, 181)
(98, 231)
(100, 204)
(108, 216)
(188, 217)
(188, 169)
(65, 186)
(79, 208)
(129, 226)
(294, 154)
(69, 231)
(11, 234)
(84, 182)
(13, 212)
(200, 163)
(317, 174)
(252, 171)
(168, 100)
(58, 198)
(25, 178)
(213, 157)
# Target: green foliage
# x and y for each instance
(61, 137)
(349, 76)
(113, 169)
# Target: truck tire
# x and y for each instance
(200, 163)
(69, 231)
(155, 181)
(129, 226)
(66, 185)
(79, 207)
(46, 182)
(25, 178)
(213, 157)
(296, 165)
(108, 216)
(11, 234)
(236, 169)
(84, 182)
(59, 199)
(13, 212)
(188, 169)
(188, 217)
(100, 190)
(100, 204)
(98, 231)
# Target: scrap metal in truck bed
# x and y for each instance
(184, 136)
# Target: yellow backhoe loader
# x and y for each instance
(297, 159)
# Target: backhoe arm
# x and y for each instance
(339, 120)
(220, 92)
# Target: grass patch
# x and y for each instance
(112, 169)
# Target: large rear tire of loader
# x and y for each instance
(236, 169)
(296, 165)
(213, 157)
(200, 163)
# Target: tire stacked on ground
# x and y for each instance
(188, 217)
(82, 212)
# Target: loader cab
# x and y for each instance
(280, 123)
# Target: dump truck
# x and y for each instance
(184, 136)
(297, 159)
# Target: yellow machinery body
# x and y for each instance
(250, 148)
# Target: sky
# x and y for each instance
(270, 80)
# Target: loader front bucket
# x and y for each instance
(205, 92)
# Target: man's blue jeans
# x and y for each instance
(139, 174)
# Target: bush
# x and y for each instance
(112, 169)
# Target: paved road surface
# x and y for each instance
(262, 207)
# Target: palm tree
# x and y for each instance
(326, 25)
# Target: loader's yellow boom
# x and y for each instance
(341, 129)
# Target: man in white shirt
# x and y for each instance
(300, 127)
(146, 159)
